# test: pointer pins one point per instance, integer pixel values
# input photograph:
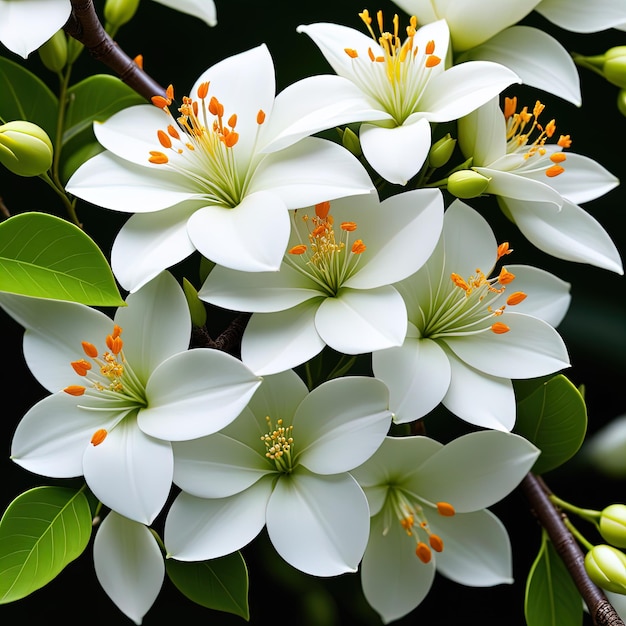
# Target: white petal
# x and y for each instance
(197, 529)
(155, 324)
(128, 564)
(346, 408)
(400, 234)
(311, 171)
(394, 580)
(511, 185)
(477, 550)
(196, 393)
(149, 243)
(27, 24)
(51, 438)
(417, 374)
(130, 472)
(113, 183)
(318, 524)
(202, 9)
(275, 342)
(582, 17)
(531, 348)
(359, 321)
(397, 153)
(463, 88)
(218, 466)
(250, 237)
(474, 471)
(482, 400)
(536, 57)
(571, 234)
(482, 133)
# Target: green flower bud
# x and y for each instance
(615, 66)
(613, 524)
(606, 567)
(53, 53)
(350, 141)
(441, 151)
(25, 149)
(467, 184)
(119, 12)
(621, 101)
(196, 306)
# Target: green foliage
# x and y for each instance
(551, 595)
(41, 531)
(26, 97)
(551, 413)
(196, 306)
(47, 257)
(219, 584)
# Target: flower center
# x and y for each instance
(412, 517)
(520, 127)
(328, 261)
(468, 306)
(109, 380)
(200, 144)
(279, 445)
(396, 75)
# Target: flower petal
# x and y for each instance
(202, 9)
(130, 472)
(511, 185)
(354, 409)
(275, 342)
(149, 243)
(250, 237)
(128, 564)
(482, 133)
(359, 321)
(195, 393)
(581, 17)
(197, 529)
(396, 153)
(477, 550)
(318, 524)
(474, 471)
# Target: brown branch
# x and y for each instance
(84, 26)
(600, 609)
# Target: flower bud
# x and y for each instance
(613, 524)
(350, 141)
(53, 53)
(119, 12)
(467, 184)
(614, 68)
(25, 149)
(441, 151)
(621, 101)
(606, 567)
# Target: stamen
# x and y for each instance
(436, 543)
(503, 249)
(75, 390)
(203, 90)
(555, 170)
(348, 226)
(298, 249)
(358, 247)
(499, 328)
(81, 367)
(516, 298)
(90, 350)
(505, 277)
(99, 436)
(423, 552)
(351, 52)
(445, 509)
(158, 158)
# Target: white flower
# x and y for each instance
(129, 564)
(27, 24)
(464, 343)
(538, 184)
(209, 180)
(284, 464)
(334, 285)
(427, 501)
(483, 30)
(119, 398)
(582, 16)
(399, 87)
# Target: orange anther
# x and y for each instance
(169, 92)
(81, 367)
(516, 298)
(160, 102)
(89, 349)
(99, 436)
(459, 282)
(423, 552)
(75, 390)
(564, 141)
(203, 90)
(504, 249)
(260, 117)
(358, 247)
(173, 132)
(499, 328)
(554, 170)
(138, 60)
(432, 61)
(430, 47)
(164, 139)
(505, 277)
(232, 120)
(351, 52)
(558, 157)
(158, 158)
(348, 226)
(322, 209)
(445, 509)
(299, 249)
(436, 543)
(114, 344)
(510, 105)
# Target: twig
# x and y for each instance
(84, 26)
(600, 609)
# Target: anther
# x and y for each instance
(504, 249)
(81, 367)
(260, 117)
(436, 543)
(555, 170)
(499, 328)
(160, 102)
(348, 226)
(138, 61)
(358, 247)
(164, 139)
(558, 157)
(157, 157)
(99, 436)
(423, 552)
(351, 52)
(75, 390)
(89, 349)
(299, 249)
(322, 209)
(432, 61)
(505, 277)
(203, 90)
(445, 509)
(516, 298)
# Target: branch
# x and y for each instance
(601, 610)
(84, 26)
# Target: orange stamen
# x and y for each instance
(81, 367)
(505, 277)
(555, 170)
(99, 436)
(322, 209)
(89, 349)
(432, 61)
(158, 157)
(299, 249)
(358, 247)
(558, 157)
(75, 390)
(260, 117)
(349, 226)
(445, 509)
(504, 249)
(423, 552)
(516, 298)
(164, 139)
(351, 52)
(203, 90)
(436, 543)
(499, 328)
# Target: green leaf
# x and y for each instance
(219, 584)
(47, 257)
(553, 416)
(26, 97)
(41, 531)
(95, 99)
(551, 595)
(196, 306)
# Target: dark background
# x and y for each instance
(176, 49)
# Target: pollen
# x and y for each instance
(279, 444)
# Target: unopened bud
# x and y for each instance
(621, 101)
(606, 567)
(467, 184)
(119, 12)
(53, 53)
(441, 151)
(25, 148)
(614, 68)
(613, 525)
(350, 141)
